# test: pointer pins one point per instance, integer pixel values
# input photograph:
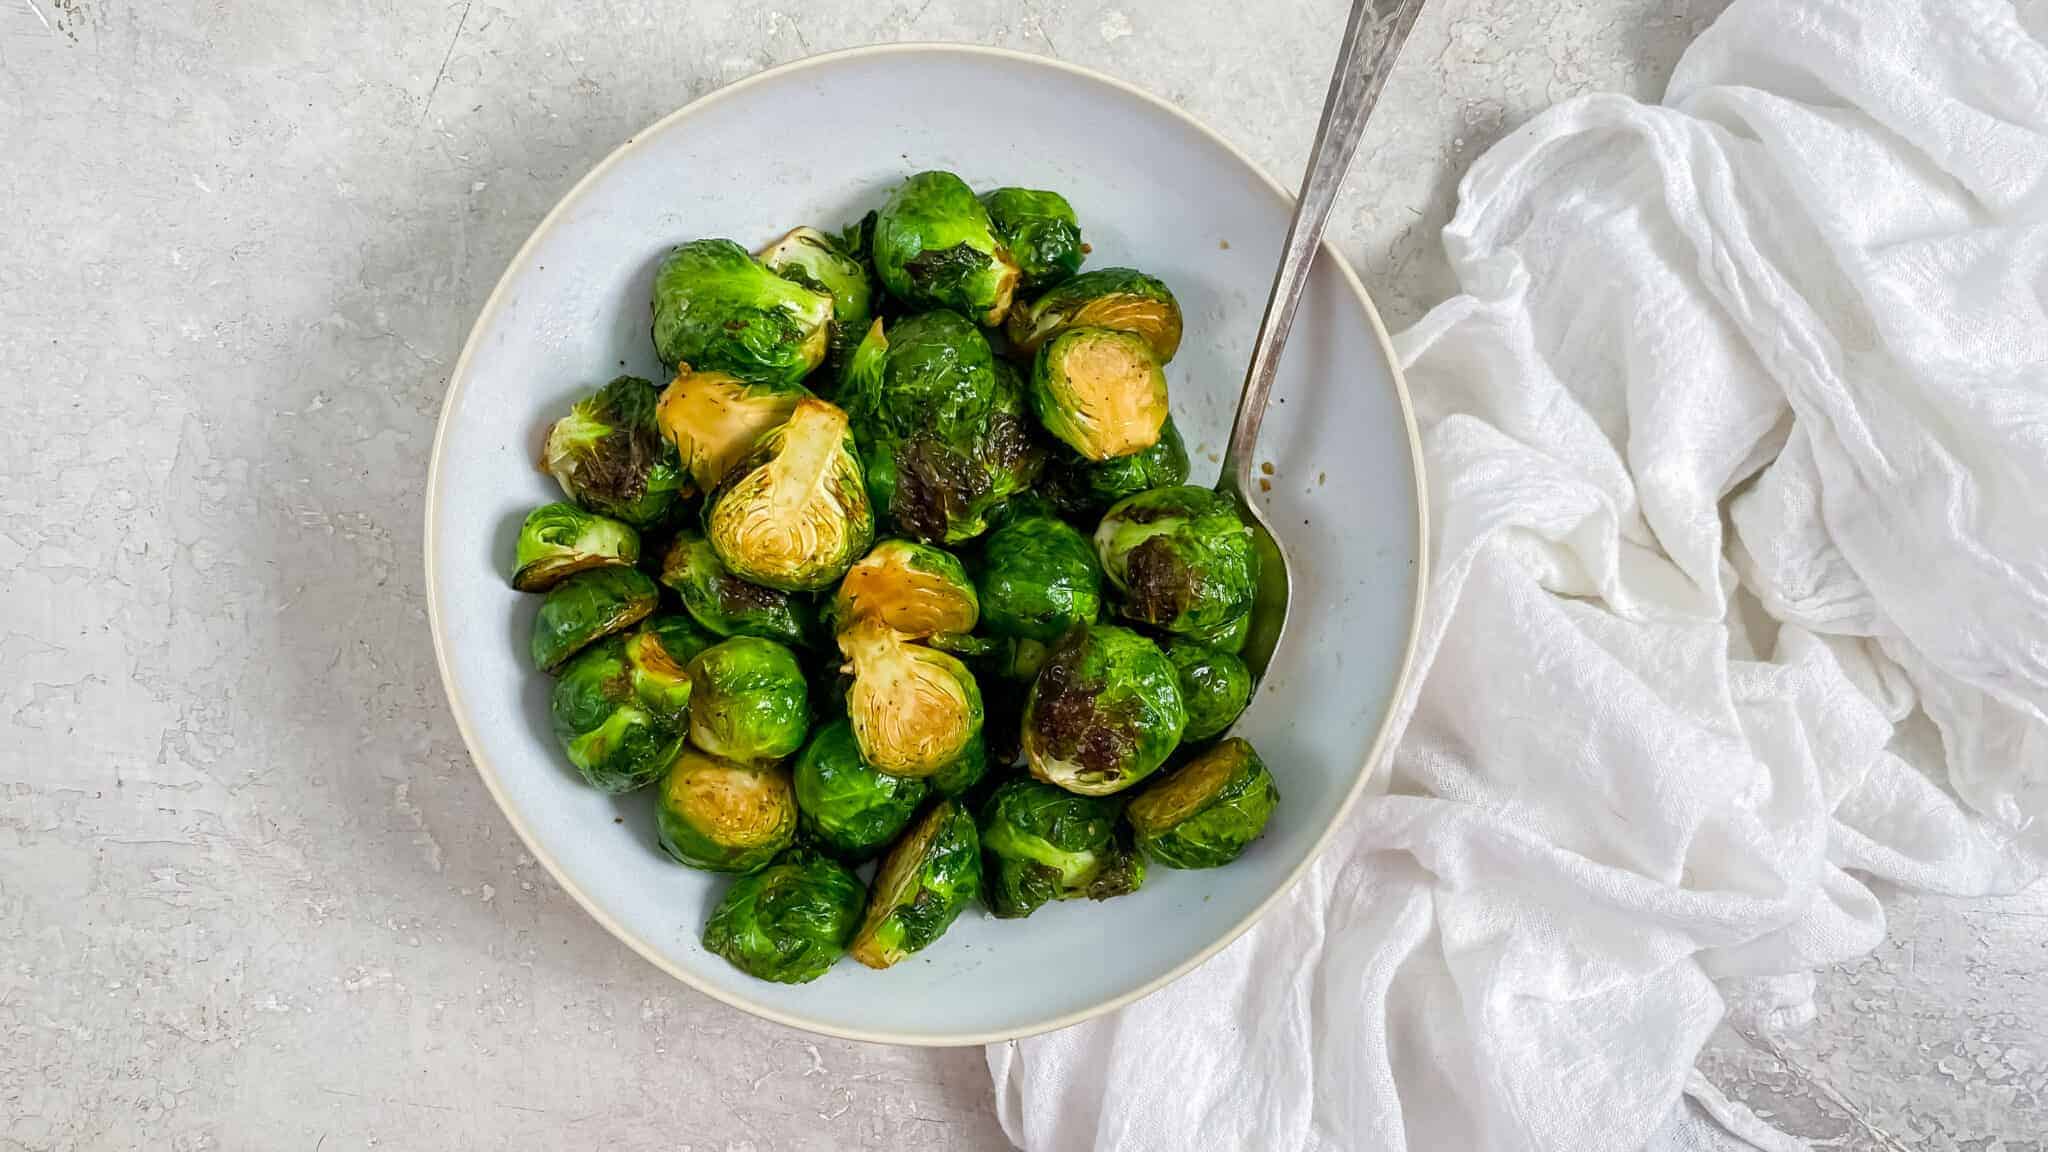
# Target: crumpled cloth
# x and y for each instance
(1737, 441)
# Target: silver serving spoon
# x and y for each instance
(1372, 41)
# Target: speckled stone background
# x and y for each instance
(251, 894)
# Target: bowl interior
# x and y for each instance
(819, 143)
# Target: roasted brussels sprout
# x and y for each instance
(914, 709)
(608, 455)
(715, 418)
(1122, 299)
(794, 515)
(934, 248)
(724, 816)
(1082, 488)
(1100, 391)
(619, 709)
(1039, 578)
(944, 427)
(844, 802)
(717, 308)
(1214, 686)
(1181, 557)
(1228, 636)
(1203, 813)
(587, 607)
(1041, 843)
(1104, 712)
(932, 873)
(917, 590)
(750, 701)
(965, 771)
(809, 257)
(559, 540)
(1041, 233)
(790, 921)
(728, 605)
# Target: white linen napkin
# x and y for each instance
(1738, 454)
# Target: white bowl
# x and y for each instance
(819, 142)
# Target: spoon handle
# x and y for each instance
(1372, 41)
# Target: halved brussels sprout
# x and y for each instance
(1041, 232)
(809, 257)
(1204, 813)
(1181, 557)
(795, 514)
(1040, 843)
(717, 308)
(618, 711)
(608, 455)
(728, 605)
(914, 709)
(845, 802)
(934, 248)
(917, 590)
(1039, 578)
(1100, 391)
(1228, 636)
(715, 418)
(588, 607)
(1215, 687)
(1122, 299)
(1104, 713)
(789, 922)
(966, 770)
(944, 427)
(1082, 488)
(724, 816)
(921, 886)
(751, 700)
(559, 540)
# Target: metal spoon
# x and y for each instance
(1372, 41)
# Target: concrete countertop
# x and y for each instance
(251, 893)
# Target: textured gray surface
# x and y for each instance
(251, 893)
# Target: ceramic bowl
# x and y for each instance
(1154, 190)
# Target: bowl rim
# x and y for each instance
(458, 378)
